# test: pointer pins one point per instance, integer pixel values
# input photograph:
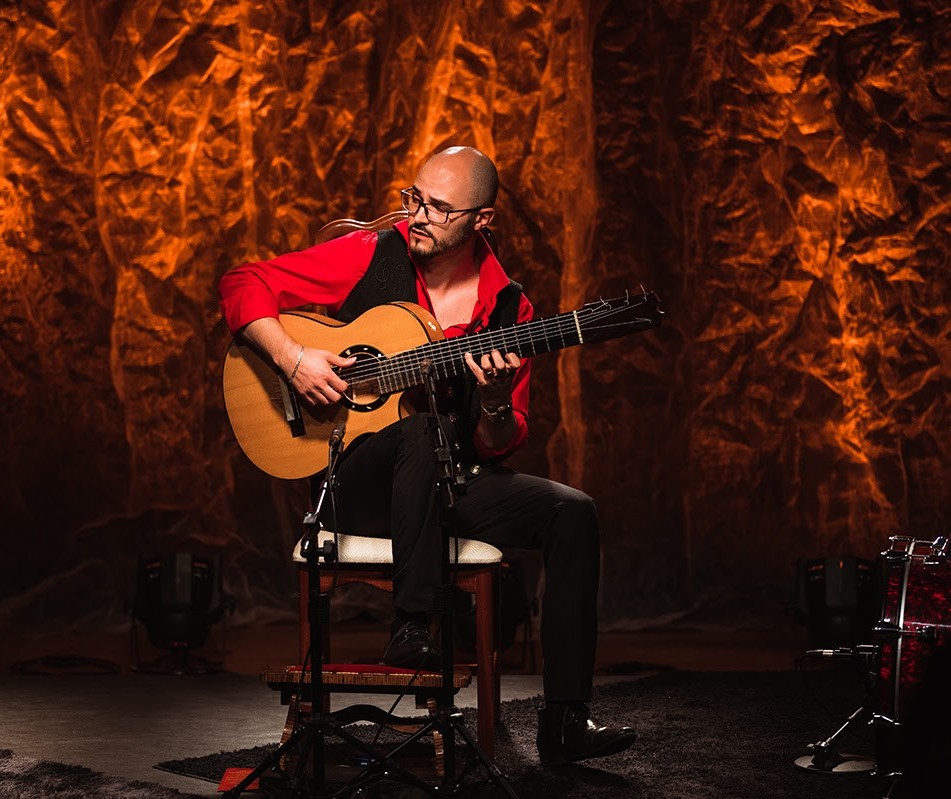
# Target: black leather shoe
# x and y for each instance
(412, 647)
(567, 733)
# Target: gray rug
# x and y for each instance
(700, 736)
(26, 778)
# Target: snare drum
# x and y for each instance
(914, 630)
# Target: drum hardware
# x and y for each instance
(895, 557)
(938, 551)
(915, 637)
(825, 755)
(887, 632)
(909, 696)
(845, 652)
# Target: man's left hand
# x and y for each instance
(494, 374)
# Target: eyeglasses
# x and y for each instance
(438, 216)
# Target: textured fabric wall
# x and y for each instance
(777, 172)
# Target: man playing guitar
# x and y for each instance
(439, 258)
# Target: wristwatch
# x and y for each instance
(499, 414)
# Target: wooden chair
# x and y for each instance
(363, 559)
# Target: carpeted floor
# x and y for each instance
(701, 735)
(27, 778)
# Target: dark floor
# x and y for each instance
(125, 723)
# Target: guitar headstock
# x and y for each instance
(602, 320)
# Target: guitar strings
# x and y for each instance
(390, 373)
(461, 344)
(449, 351)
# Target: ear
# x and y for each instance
(484, 218)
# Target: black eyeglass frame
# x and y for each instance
(409, 196)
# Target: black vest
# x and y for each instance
(391, 277)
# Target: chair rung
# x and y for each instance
(291, 676)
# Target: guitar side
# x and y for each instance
(259, 404)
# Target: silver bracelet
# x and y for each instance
(300, 357)
(500, 414)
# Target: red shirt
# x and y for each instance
(326, 273)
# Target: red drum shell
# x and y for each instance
(914, 666)
(916, 619)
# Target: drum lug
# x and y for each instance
(938, 551)
(927, 631)
(896, 557)
(888, 631)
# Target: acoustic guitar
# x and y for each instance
(398, 346)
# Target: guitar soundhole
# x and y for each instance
(364, 378)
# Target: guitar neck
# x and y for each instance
(446, 358)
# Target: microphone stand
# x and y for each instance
(316, 725)
(825, 755)
(447, 720)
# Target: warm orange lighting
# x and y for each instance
(777, 172)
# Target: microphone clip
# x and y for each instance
(336, 437)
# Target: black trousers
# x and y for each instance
(386, 487)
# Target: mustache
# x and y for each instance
(417, 229)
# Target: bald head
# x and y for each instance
(471, 166)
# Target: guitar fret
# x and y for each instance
(458, 361)
(578, 328)
(413, 366)
(398, 376)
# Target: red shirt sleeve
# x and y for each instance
(321, 275)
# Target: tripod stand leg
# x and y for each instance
(265, 765)
(826, 755)
(497, 776)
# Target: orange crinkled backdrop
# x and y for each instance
(777, 172)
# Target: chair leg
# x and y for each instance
(487, 659)
(303, 631)
(497, 638)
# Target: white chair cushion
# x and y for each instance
(354, 549)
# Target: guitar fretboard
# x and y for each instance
(446, 358)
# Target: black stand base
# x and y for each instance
(838, 763)
(309, 741)
(826, 757)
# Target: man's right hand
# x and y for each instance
(315, 380)
(311, 369)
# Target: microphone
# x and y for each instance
(846, 652)
(336, 437)
(840, 652)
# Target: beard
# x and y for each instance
(431, 247)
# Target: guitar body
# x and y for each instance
(287, 437)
